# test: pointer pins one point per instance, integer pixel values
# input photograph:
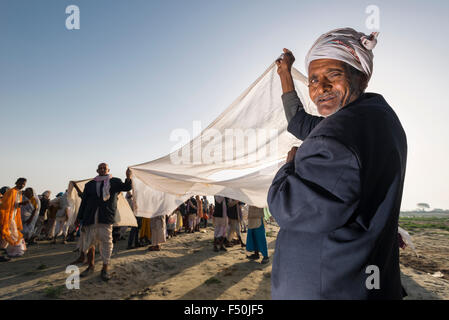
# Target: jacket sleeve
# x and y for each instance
(120, 186)
(319, 191)
(300, 123)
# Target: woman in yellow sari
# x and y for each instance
(179, 222)
(145, 230)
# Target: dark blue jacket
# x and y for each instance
(338, 205)
(106, 209)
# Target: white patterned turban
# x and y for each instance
(347, 45)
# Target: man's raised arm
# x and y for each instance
(127, 185)
(78, 190)
(300, 123)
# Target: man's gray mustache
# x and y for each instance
(324, 96)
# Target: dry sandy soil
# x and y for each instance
(426, 272)
(187, 268)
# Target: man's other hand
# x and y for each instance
(291, 154)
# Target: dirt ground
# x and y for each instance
(428, 268)
(188, 268)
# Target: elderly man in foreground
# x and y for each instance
(337, 198)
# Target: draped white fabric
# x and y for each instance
(214, 164)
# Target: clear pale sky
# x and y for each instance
(115, 89)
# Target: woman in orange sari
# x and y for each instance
(11, 221)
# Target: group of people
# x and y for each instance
(189, 217)
(27, 218)
(229, 222)
(230, 219)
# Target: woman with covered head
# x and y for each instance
(63, 214)
(29, 213)
(11, 221)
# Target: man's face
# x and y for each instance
(103, 169)
(331, 85)
(20, 184)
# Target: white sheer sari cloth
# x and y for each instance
(26, 212)
(236, 156)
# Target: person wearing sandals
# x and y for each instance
(256, 239)
(97, 212)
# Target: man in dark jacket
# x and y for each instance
(97, 212)
(337, 198)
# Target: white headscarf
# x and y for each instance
(347, 45)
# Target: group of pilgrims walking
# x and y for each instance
(28, 218)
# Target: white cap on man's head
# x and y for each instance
(347, 45)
